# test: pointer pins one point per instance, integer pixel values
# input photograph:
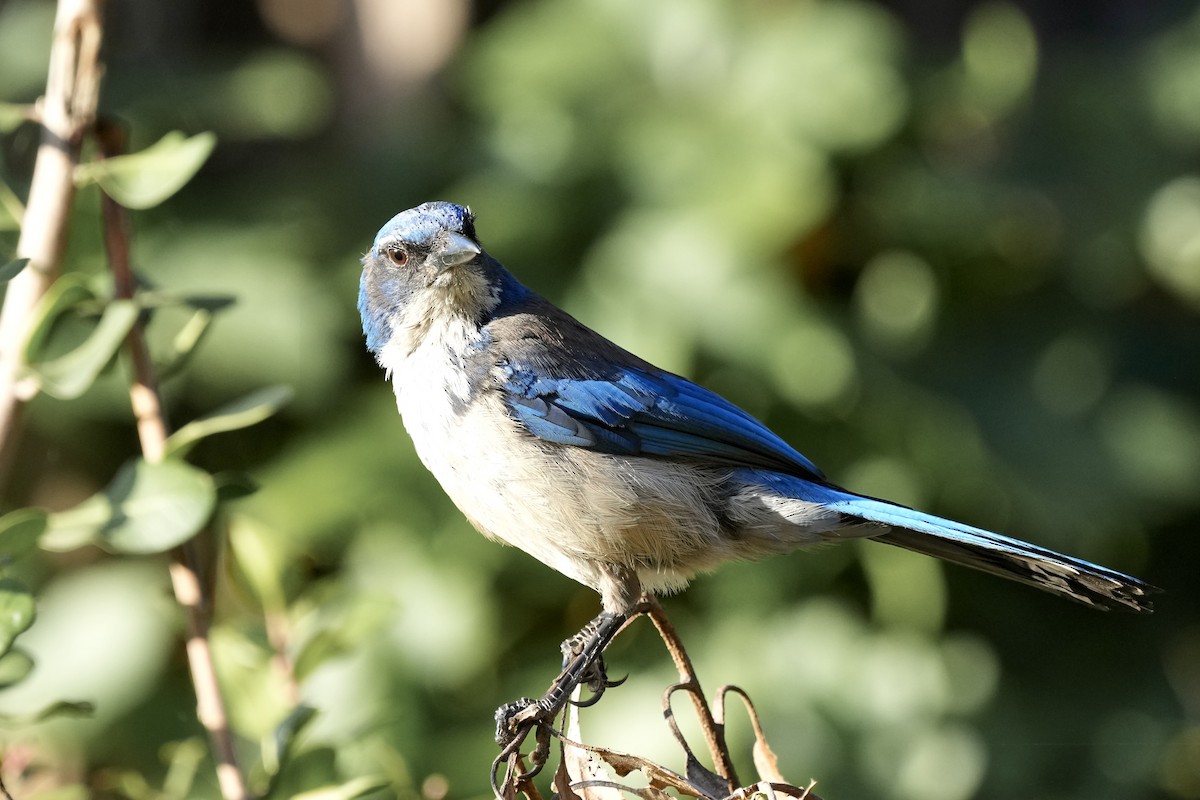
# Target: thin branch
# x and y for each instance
(714, 735)
(67, 111)
(278, 636)
(153, 430)
(576, 779)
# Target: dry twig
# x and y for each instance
(67, 112)
(580, 775)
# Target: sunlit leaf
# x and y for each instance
(147, 178)
(148, 508)
(19, 533)
(12, 269)
(359, 787)
(15, 666)
(249, 410)
(16, 612)
(73, 373)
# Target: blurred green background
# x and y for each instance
(949, 250)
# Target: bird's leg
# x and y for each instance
(595, 676)
(582, 665)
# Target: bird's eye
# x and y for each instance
(398, 256)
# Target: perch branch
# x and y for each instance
(153, 430)
(67, 111)
(579, 778)
(714, 732)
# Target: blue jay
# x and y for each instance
(616, 473)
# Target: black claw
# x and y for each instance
(598, 686)
(589, 702)
(614, 684)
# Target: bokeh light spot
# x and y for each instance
(896, 298)
(814, 364)
(1071, 375)
(1170, 237)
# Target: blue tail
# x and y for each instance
(1009, 558)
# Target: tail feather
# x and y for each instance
(1036, 566)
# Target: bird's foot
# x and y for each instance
(514, 721)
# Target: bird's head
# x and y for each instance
(424, 263)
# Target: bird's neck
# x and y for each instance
(456, 303)
(446, 320)
(443, 322)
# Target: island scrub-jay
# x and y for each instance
(616, 473)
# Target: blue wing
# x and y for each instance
(640, 412)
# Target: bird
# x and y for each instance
(618, 474)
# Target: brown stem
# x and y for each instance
(67, 111)
(278, 635)
(713, 735)
(153, 430)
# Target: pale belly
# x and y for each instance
(575, 510)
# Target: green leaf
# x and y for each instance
(78, 526)
(184, 760)
(148, 508)
(189, 336)
(159, 298)
(359, 787)
(12, 269)
(249, 410)
(73, 373)
(16, 611)
(278, 744)
(13, 116)
(258, 556)
(147, 178)
(321, 647)
(185, 342)
(62, 708)
(15, 666)
(69, 291)
(19, 533)
(12, 211)
(70, 791)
